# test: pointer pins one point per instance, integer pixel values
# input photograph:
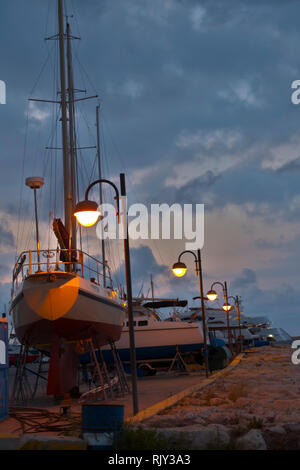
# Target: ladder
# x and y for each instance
(108, 386)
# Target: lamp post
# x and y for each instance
(87, 214)
(212, 295)
(237, 307)
(179, 269)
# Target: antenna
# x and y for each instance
(36, 182)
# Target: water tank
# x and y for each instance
(4, 365)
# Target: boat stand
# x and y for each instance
(39, 374)
(109, 387)
(22, 391)
(178, 363)
(22, 388)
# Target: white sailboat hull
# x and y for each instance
(159, 339)
(51, 304)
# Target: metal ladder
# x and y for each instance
(109, 387)
(123, 384)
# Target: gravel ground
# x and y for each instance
(257, 404)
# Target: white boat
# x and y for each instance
(254, 330)
(157, 339)
(52, 302)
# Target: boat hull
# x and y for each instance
(156, 341)
(64, 305)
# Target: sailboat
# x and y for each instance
(157, 338)
(64, 295)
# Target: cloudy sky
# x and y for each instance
(195, 108)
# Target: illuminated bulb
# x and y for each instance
(179, 269)
(86, 213)
(87, 218)
(227, 307)
(211, 295)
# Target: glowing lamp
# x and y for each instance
(227, 307)
(179, 269)
(211, 295)
(86, 213)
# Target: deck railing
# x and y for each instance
(73, 261)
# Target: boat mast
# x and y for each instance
(152, 287)
(72, 134)
(65, 143)
(100, 187)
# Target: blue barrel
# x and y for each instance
(101, 423)
(4, 367)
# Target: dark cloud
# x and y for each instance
(294, 165)
(247, 278)
(196, 188)
(144, 265)
(6, 236)
(4, 295)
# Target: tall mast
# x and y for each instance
(100, 187)
(71, 134)
(152, 288)
(65, 144)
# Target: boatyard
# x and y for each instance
(149, 227)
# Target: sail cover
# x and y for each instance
(166, 303)
(62, 236)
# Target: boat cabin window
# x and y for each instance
(143, 323)
(134, 323)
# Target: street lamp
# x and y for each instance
(87, 214)
(212, 295)
(237, 308)
(179, 269)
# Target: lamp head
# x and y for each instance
(87, 213)
(211, 295)
(227, 307)
(179, 269)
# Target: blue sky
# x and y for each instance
(195, 108)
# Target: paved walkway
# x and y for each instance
(150, 391)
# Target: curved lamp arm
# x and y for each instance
(219, 283)
(117, 198)
(187, 251)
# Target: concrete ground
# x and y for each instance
(150, 391)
